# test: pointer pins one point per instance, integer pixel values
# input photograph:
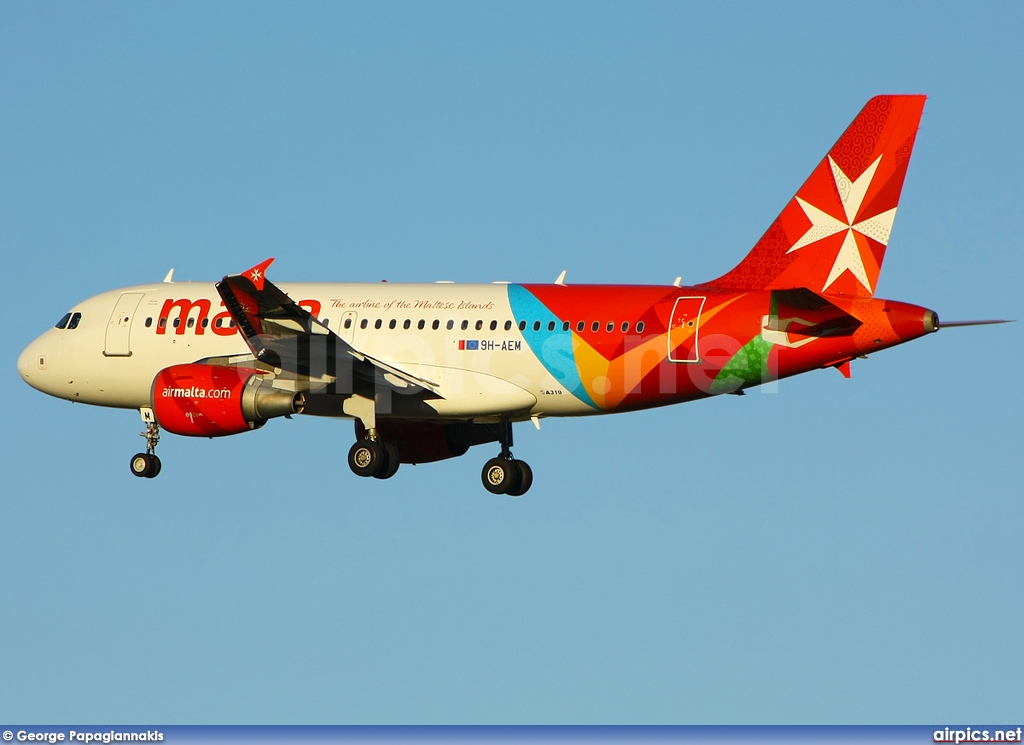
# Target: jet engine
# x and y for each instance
(200, 400)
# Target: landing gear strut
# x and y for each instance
(505, 474)
(147, 465)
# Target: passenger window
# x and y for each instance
(508, 325)
(435, 325)
(376, 324)
(595, 325)
(231, 323)
(494, 325)
(177, 322)
(75, 318)
(348, 323)
(149, 322)
(479, 325)
(163, 323)
(551, 325)
(450, 325)
(407, 324)
(639, 327)
(581, 325)
(625, 326)
(206, 322)
(392, 323)
(610, 327)
(191, 322)
(362, 324)
(465, 325)
(522, 325)
(565, 325)
(536, 325)
(63, 322)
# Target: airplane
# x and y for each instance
(427, 371)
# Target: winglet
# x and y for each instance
(258, 274)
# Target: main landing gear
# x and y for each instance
(375, 458)
(372, 456)
(507, 476)
(504, 474)
(147, 465)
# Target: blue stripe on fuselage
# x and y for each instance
(553, 348)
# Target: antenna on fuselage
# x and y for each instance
(170, 276)
(561, 278)
(679, 281)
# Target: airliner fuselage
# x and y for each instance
(429, 370)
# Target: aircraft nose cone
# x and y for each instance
(25, 363)
(32, 364)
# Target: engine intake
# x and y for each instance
(200, 400)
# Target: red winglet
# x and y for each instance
(258, 274)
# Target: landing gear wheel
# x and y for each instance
(393, 461)
(500, 476)
(367, 458)
(145, 465)
(525, 479)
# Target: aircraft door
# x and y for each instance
(117, 342)
(684, 328)
(347, 330)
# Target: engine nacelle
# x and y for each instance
(211, 400)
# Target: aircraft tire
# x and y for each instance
(156, 467)
(393, 461)
(142, 465)
(367, 458)
(500, 476)
(525, 479)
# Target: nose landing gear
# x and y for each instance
(147, 465)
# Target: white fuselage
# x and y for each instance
(463, 338)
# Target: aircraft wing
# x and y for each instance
(286, 336)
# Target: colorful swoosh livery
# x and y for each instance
(427, 371)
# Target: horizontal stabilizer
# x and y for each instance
(801, 311)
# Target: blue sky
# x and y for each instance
(823, 550)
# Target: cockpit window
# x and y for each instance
(63, 322)
(75, 318)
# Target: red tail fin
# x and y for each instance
(832, 235)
